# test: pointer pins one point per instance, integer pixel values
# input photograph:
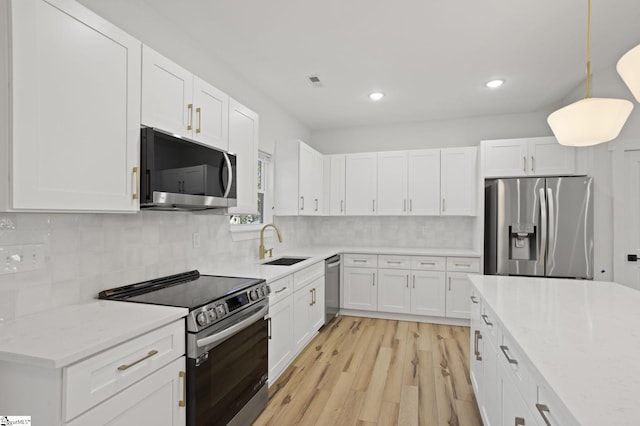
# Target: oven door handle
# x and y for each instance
(236, 328)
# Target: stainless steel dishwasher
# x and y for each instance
(332, 288)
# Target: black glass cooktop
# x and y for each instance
(189, 290)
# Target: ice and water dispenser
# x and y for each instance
(523, 243)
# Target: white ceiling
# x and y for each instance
(430, 57)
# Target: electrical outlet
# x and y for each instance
(195, 237)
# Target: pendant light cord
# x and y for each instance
(588, 94)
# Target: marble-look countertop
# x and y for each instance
(59, 337)
(317, 254)
(582, 337)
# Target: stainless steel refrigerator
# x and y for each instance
(539, 227)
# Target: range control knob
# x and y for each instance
(211, 314)
(221, 311)
(253, 294)
(201, 319)
(260, 292)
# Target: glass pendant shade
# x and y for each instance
(629, 69)
(590, 121)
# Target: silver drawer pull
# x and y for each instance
(519, 421)
(127, 366)
(281, 290)
(394, 262)
(474, 299)
(359, 261)
(506, 355)
(476, 351)
(543, 409)
(486, 320)
(428, 263)
(463, 265)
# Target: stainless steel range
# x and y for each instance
(227, 341)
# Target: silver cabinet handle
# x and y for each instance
(443, 205)
(124, 367)
(281, 290)
(316, 204)
(476, 351)
(486, 320)
(302, 199)
(533, 163)
(543, 409)
(311, 291)
(190, 113)
(374, 205)
(414, 281)
(270, 329)
(394, 262)
(341, 203)
(374, 279)
(359, 261)
(410, 205)
(428, 263)
(463, 265)
(524, 164)
(519, 421)
(504, 350)
(449, 283)
(474, 299)
(407, 280)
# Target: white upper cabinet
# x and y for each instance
(299, 179)
(361, 183)
(458, 181)
(243, 142)
(392, 183)
(176, 101)
(528, 157)
(75, 109)
(335, 177)
(424, 182)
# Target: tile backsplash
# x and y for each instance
(86, 253)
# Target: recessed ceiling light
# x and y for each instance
(494, 84)
(376, 96)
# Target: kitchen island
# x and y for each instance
(572, 342)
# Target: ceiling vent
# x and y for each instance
(315, 81)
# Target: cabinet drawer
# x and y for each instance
(280, 289)
(463, 264)
(394, 262)
(512, 358)
(305, 276)
(489, 322)
(549, 407)
(360, 260)
(89, 382)
(428, 263)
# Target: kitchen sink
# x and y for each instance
(286, 261)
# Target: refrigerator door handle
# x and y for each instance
(551, 232)
(543, 224)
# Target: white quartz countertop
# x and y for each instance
(317, 254)
(581, 336)
(62, 336)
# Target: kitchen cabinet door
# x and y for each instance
(394, 294)
(243, 142)
(75, 110)
(458, 181)
(302, 300)
(512, 407)
(310, 173)
(316, 311)
(359, 289)
(508, 157)
(361, 184)
(280, 337)
(211, 115)
(476, 353)
(428, 296)
(392, 183)
(317, 173)
(157, 399)
(489, 408)
(458, 295)
(167, 94)
(336, 184)
(548, 157)
(423, 188)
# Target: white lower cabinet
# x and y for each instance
(394, 294)
(359, 289)
(428, 293)
(159, 399)
(513, 408)
(308, 313)
(280, 336)
(458, 290)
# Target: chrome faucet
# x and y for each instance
(262, 249)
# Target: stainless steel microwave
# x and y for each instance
(179, 174)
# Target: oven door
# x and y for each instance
(227, 370)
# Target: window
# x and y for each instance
(264, 193)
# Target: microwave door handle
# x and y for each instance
(230, 182)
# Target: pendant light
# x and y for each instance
(589, 121)
(629, 69)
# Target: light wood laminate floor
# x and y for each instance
(364, 371)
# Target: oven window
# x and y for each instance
(235, 370)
